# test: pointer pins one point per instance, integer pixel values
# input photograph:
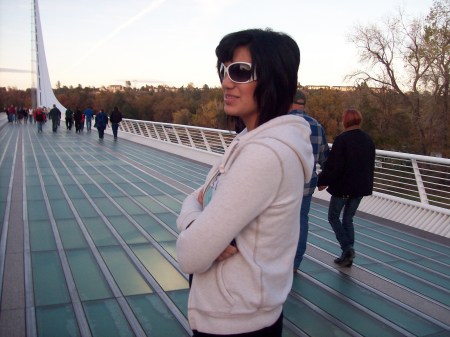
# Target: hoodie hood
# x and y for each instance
(293, 131)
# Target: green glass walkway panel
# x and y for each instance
(116, 179)
(2, 213)
(99, 179)
(82, 178)
(73, 191)
(422, 273)
(129, 206)
(92, 190)
(150, 204)
(438, 294)
(70, 233)
(107, 207)
(48, 279)
(170, 247)
(34, 192)
(99, 232)
(371, 300)
(112, 190)
(130, 189)
(126, 229)
(154, 228)
(397, 250)
(106, 319)
(84, 208)
(127, 277)
(67, 180)
(89, 280)
(61, 209)
(154, 317)
(49, 180)
(439, 263)
(149, 189)
(54, 192)
(309, 320)
(343, 310)
(37, 210)
(160, 268)
(41, 235)
(169, 202)
(180, 298)
(417, 245)
(169, 219)
(56, 321)
(32, 180)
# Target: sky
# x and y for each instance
(98, 43)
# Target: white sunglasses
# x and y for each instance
(238, 72)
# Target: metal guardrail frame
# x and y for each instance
(412, 178)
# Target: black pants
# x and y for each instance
(69, 123)
(101, 132)
(275, 330)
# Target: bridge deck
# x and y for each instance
(87, 249)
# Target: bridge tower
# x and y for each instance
(43, 94)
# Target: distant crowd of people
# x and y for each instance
(77, 117)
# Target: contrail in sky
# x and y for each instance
(11, 70)
(116, 31)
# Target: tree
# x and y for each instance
(182, 116)
(401, 56)
(436, 52)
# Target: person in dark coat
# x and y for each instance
(69, 118)
(115, 118)
(77, 117)
(348, 173)
(55, 116)
(101, 121)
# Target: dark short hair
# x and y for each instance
(351, 117)
(275, 60)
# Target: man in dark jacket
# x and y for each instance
(69, 118)
(115, 118)
(101, 121)
(55, 116)
(348, 173)
(77, 117)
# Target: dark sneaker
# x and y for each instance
(346, 259)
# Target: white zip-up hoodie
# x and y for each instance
(258, 191)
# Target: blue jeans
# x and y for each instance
(304, 226)
(344, 230)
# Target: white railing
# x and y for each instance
(205, 139)
(421, 179)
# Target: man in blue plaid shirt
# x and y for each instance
(320, 151)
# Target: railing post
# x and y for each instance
(166, 134)
(177, 135)
(419, 181)
(222, 140)
(191, 141)
(156, 131)
(206, 141)
(140, 129)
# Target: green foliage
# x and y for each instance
(386, 116)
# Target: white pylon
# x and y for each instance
(44, 92)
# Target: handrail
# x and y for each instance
(417, 178)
